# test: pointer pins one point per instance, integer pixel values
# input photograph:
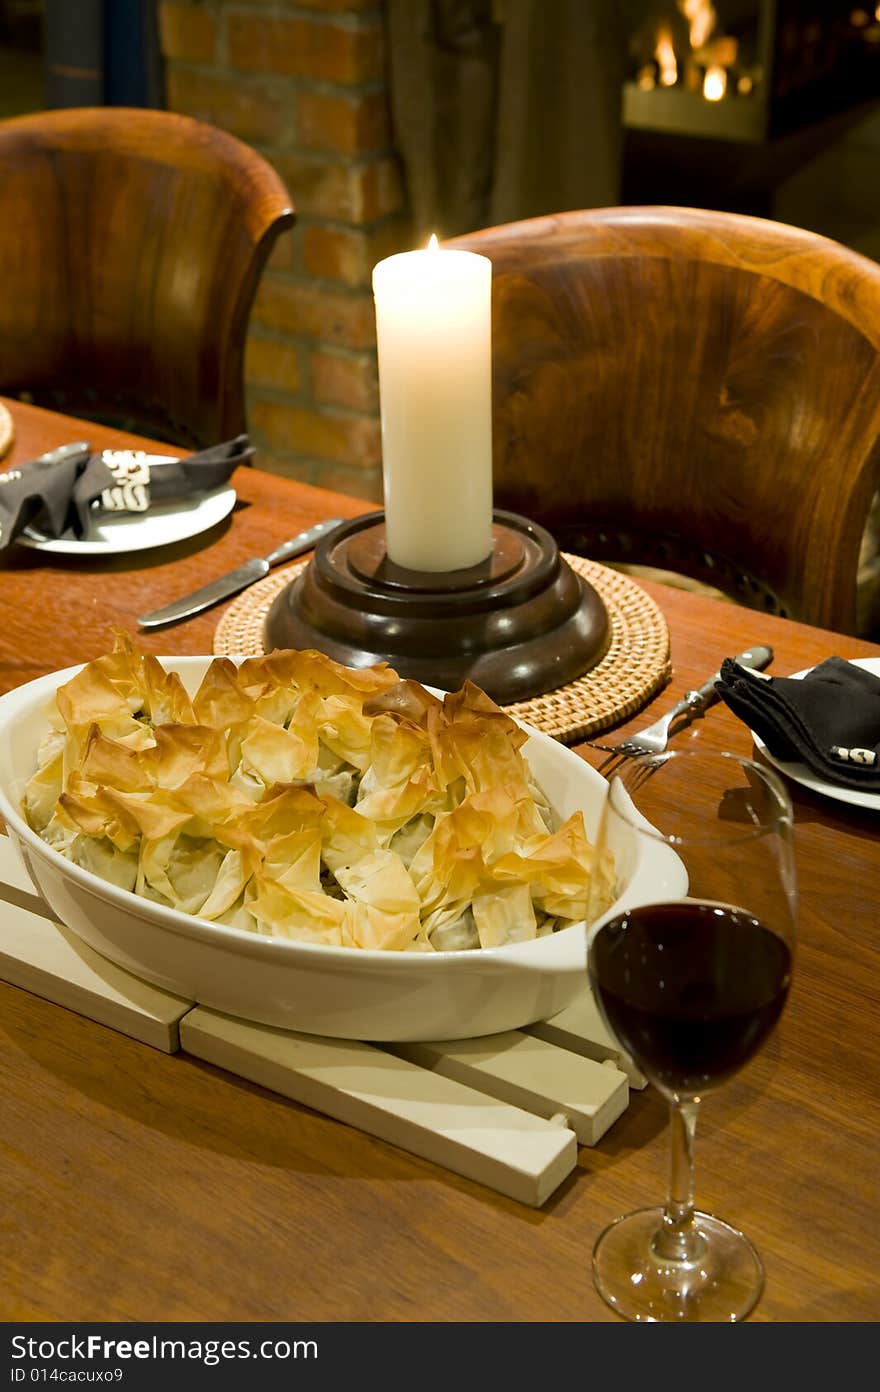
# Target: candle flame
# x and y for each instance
(715, 83)
(432, 242)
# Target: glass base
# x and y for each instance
(723, 1282)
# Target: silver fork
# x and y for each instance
(654, 739)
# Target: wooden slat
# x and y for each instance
(432, 1116)
(40, 955)
(581, 1029)
(530, 1073)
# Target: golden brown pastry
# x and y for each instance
(297, 798)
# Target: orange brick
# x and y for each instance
(351, 440)
(341, 478)
(346, 379)
(298, 308)
(335, 254)
(381, 190)
(349, 254)
(335, 6)
(187, 32)
(357, 483)
(344, 125)
(283, 463)
(320, 188)
(354, 193)
(331, 7)
(283, 256)
(236, 104)
(270, 362)
(299, 47)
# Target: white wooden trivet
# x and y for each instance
(509, 1149)
(580, 1027)
(507, 1111)
(42, 956)
(529, 1073)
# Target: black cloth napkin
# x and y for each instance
(56, 493)
(828, 720)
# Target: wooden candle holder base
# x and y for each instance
(519, 624)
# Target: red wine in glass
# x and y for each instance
(691, 981)
(692, 990)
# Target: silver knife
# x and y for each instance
(239, 579)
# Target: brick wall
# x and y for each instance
(304, 81)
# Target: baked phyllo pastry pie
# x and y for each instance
(295, 797)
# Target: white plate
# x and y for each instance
(112, 533)
(801, 774)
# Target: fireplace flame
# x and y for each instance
(715, 82)
(666, 61)
(702, 18)
(707, 62)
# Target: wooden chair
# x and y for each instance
(131, 244)
(691, 390)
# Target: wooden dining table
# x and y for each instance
(139, 1186)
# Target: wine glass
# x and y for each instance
(692, 985)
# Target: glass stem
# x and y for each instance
(678, 1240)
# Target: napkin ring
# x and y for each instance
(131, 472)
(856, 755)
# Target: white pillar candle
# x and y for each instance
(434, 333)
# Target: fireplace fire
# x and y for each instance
(750, 70)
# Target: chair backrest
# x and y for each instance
(131, 244)
(693, 390)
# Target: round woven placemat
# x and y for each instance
(7, 430)
(635, 667)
